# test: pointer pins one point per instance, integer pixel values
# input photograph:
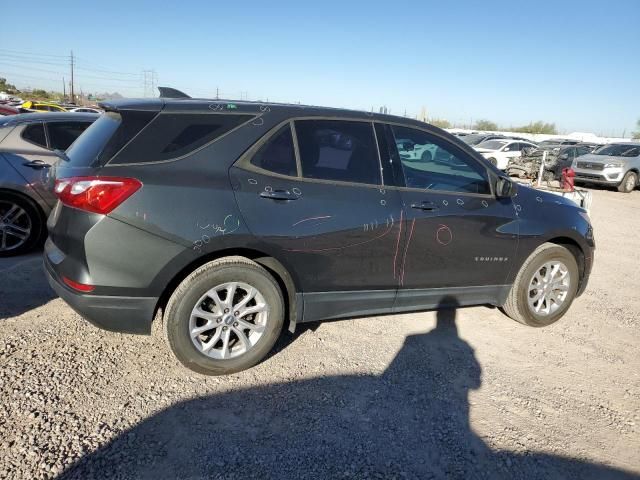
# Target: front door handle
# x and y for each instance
(428, 206)
(36, 164)
(279, 195)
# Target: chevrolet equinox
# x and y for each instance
(234, 220)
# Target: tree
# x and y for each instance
(439, 122)
(485, 125)
(636, 134)
(538, 127)
(7, 87)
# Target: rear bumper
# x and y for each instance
(114, 313)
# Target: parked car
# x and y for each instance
(500, 151)
(85, 110)
(556, 143)
(477, 138)
(42, 107)
(237, 219)
(616, 165)
(27, 144)
(528, 165)
(8, 110)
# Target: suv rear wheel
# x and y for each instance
(21, 225)
(224, 317)
(628, 183)
(544, 287)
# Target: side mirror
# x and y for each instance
(505, 188)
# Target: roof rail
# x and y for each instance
(168, 92)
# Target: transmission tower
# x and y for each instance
(150, 82)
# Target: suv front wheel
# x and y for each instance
(225, 317)
(544, 287)
(628, 183)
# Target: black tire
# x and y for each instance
(517, 305)
(36, 222)
(493, 161)
(184, 298)
(629, 183)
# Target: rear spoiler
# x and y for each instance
(168, 92)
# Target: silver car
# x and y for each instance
(615, 165)
(27, 150)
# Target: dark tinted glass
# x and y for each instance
(85, 151)
(63, 134)
(278, 155)
(129, 124)
(338, 150)
(172, 135)
(35, 134)
(432, 163)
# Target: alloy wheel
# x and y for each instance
(15, 226)
(549, 288)
(228, 320)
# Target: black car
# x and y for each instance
(238, 219)
(27, 149)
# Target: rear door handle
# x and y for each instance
(279, 195)
(36, 164)
(429, 206)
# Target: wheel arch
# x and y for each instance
(287, 284)
(24, 196)
(578, 253)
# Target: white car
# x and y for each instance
(500, 151)
(85, 110)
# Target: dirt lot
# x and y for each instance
(405, 396)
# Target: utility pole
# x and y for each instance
(217, 93)
(64, 90)
(72, 92)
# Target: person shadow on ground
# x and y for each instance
(410, 422)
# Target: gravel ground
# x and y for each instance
(404, 396)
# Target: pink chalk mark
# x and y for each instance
(313, 250)
(310, 218)
(395, 257)
(406, 249)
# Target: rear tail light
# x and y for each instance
(95, 194)
(81, 287)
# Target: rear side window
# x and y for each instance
(99, 137)
(338, 150)
(63, 134)
(278, 155)
(171, 136)
(35, 134)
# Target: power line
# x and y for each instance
(31, 53)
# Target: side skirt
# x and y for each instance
(359, 303)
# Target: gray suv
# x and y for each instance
(27, 151)
(616, 165)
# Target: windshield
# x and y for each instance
(492, 144)
(619, 150)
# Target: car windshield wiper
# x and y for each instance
(62, 154)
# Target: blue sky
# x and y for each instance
(573, 63)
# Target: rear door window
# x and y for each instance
(338, 150)
(63, 134)
(35, 134)
(171, 135)
(278, 154)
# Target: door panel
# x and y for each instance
(458, 234)
(332, 236)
